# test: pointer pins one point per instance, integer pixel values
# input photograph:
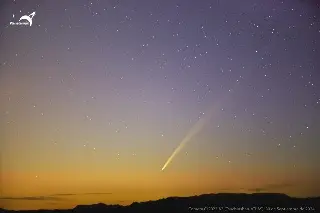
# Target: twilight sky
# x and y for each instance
(95, 97)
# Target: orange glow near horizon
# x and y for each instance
(66, 190)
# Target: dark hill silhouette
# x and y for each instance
(222, 202)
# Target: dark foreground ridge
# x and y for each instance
(222, 202)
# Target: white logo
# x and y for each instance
(28, 18)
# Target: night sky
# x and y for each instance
(96, 96)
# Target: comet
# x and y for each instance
(196, 128)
